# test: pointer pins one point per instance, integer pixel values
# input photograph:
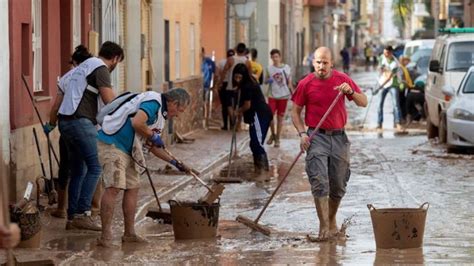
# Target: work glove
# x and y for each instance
(179, 165)
(156, 140)
(47, 128)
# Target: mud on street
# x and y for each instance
(387, 171)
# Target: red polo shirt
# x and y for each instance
(317, 95)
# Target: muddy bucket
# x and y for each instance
(399, 227)
(192, 220)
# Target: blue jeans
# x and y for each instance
(80, 136)
(396, 105)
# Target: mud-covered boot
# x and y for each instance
(264, 162)
(322, 208)
(60, 212)
(256, 164)
(333, 206)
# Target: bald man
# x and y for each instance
(327, 154)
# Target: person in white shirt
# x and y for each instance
(280, 88)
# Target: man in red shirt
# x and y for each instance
(327, 159)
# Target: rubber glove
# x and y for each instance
(156, 140)
(47, 128)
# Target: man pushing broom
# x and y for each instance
(327, 152)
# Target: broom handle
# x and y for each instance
(298, 156)
(234, 135)
(201, 181)
(38, 114)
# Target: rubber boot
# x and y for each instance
(256, 164)
(333, 206)
(322, 208)
(60, 211)
(264, 162)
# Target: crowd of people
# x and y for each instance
(102, 149)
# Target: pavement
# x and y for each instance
(209, 151)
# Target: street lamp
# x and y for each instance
(244, 8)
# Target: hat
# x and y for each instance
(419, 84)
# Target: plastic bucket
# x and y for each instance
(194, 220)
(399, 227)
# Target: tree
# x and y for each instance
(401, 10)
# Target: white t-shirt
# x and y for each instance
(389, 68)
(279, 89)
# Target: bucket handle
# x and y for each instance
(426, 204)
(371, 207)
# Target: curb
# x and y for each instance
(164, 194)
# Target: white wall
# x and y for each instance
(157, 44)
(133, 47)
(273, 25)
(4, 84)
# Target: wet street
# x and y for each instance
(387, 171)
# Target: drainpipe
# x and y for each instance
(157, 44)
(5, 92)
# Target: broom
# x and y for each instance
(253, 224)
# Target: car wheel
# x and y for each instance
(431, 130)
(442, 129)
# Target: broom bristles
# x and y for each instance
(253, 225)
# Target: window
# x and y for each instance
(76, 23)
(469, 85)
(177, 51)
(192, 52)
(36, 44)
(460, 56)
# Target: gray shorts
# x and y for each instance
(327, 165)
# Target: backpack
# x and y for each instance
(114, 105)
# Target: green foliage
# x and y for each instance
(401, 10)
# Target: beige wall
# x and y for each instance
(213, 27)
(185, 12)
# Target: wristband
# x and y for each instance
(352, 93)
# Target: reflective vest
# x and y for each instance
(74, 84)
(115, 120)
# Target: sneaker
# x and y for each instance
(83, 222)
(134, 239)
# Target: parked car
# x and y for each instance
(411, 47)
(452, 56)
(458, 123)
(420, 60)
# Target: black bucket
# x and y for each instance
(192, 220)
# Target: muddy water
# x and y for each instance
(387, 172)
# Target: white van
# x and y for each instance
(412, 46)
(451, 58)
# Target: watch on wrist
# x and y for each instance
(301, 133)
(351, 93)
